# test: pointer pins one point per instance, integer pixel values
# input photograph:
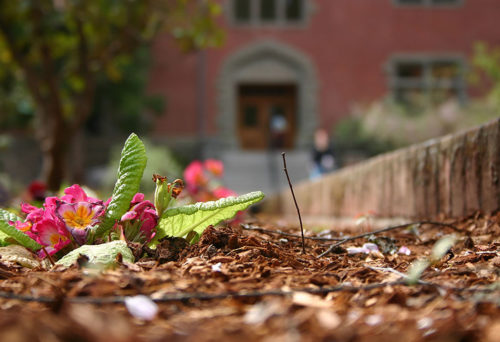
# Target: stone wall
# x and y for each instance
(452, 176)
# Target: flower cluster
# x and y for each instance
(203, 180)
(68, 220)
(62, 220)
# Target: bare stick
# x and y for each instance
(48, 256)
(386, 229)
(295, 201)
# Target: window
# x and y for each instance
(242, 10)
(414, 79)
(429, 2)
(268, 12)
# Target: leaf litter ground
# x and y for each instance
(239, 284)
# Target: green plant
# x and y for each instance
(77, 219)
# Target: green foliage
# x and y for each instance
(161, 160)
(181, 221)
(124, 100)
(487, 60)
(439, 250)
(70, 42)
(8, 232)
(350, 136)
(132, 163)
(386, 125)
(61, 53)
(103, 255)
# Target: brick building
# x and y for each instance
(309, 61)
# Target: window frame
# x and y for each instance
(428, 4)
(280, 22)
(427, 81)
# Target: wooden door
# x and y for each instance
(266, 117)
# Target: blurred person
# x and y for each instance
(323, 160)
(278, 126)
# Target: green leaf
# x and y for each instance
(8, 231)
(416, 270)
(181, 221)
(132, 163)
(441, 247)
(103, 255)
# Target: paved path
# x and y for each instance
(250, 171)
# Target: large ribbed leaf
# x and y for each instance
(181, 221)
(132, 163)
(104, 254)
(8, 231)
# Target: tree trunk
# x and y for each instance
(54, 147)
(77, 162)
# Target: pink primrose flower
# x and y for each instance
(140, 221)
(79, 218)
(52, 234)
(216, 167)
(61, 219)
(195, 176)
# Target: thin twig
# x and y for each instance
(48, 256)
(279, 232)
(295, 201)
(175, 297)
(383, 230)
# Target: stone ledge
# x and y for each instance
(453, 176)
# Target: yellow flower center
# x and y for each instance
(78, 219)
(55, 238)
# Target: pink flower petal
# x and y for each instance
(216, 167)
(222, 192)
(28, 208)
(129, 215)
(74, 194)
(138, 197)
(194, 175)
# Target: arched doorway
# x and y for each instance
(267, 116)
(260, 86)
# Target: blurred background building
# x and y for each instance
(286, 68)
(309, 62)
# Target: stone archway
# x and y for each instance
(267, 62)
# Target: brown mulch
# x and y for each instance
(238, 284)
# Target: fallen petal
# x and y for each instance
(141, 307)
(370, 246)
(357, 250)
(404, 250)
(217, 267)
